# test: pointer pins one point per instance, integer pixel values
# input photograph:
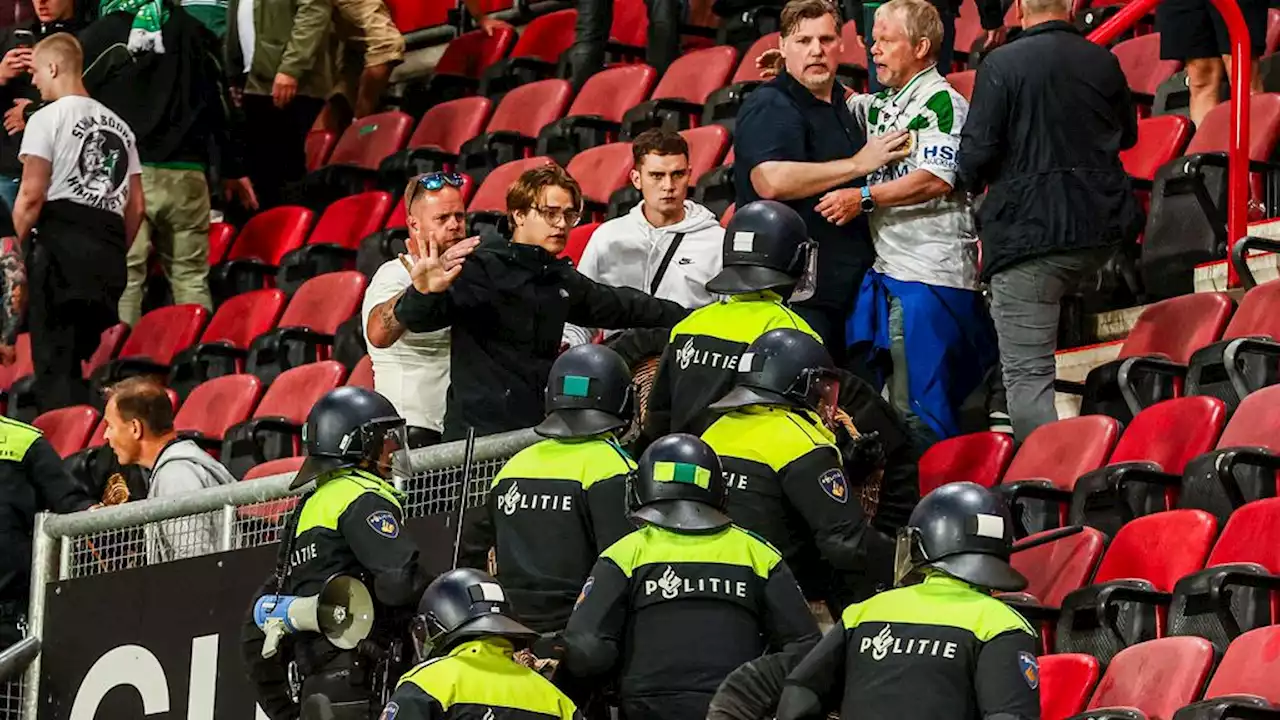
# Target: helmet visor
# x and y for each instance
(908, 555)
(386, 445)
(807, 285)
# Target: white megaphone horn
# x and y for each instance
(342, 612)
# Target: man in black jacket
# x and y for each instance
(508, 302)
(1051, 112)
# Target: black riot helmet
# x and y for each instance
(352, 427)
(463, 604)
(766, 247)
(589, 392)
(964, 530)
(679, 485)
(785, 367)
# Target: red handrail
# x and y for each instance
(1238, 154)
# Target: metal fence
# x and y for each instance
(243, 515)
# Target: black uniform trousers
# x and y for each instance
(595, 18)
(276, 155)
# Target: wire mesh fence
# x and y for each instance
(11, 699)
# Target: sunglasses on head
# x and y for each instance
(433, 182)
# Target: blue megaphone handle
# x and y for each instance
(273, 606)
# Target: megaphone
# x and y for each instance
(342, 612)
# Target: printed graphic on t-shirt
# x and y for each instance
(102, 166)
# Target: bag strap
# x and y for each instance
(666, 261)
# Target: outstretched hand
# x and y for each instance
(769, 63)
(434, 271)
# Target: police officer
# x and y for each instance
(785, 474)
(32, 478)
(351, 524)
(766, 250)
(556, 505)
(465, 635)
(687, 598)
(943, 648)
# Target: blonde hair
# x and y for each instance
(919, 19)
(525, 191)
(798, 10)
(66, 49)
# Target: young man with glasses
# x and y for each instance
(507, 300)
(412, 369)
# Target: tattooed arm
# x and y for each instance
(383, 329)
(13, 285)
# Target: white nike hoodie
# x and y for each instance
(626, 252)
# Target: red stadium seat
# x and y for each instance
(221, 235)
(369, 140)
(1127, 601)
(1160, 140)
(600, 171)
(723, 104)
(306, 330)
(707, 146)
(319, 146)
(595, 117)
(727, 216)
(275, 429)
(1140, 61)
(678, 99)
(963, 82)
(534, 57)
(410, 15)
(469, 54)
(1048, 464)
(244, 317)
(1249, 669)
(1155, 677)
(436, 142)
(1243, 360)
(514, 127)
(1242, 467)
(490, 201)
(1059, 567)
(216, 405)
(272, 511)
(1152, 360)
(258, 249)
(1214, 132)
(852, 68)
(1066, 682)
(978, 457)
(155, 342)
(335, 239)
(112, 340)
(578, 239)
(68, 429)
(362, 373)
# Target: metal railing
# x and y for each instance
(242, 515)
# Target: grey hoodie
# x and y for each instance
(183, 467)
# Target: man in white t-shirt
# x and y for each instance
(412, 369)
(79, 206)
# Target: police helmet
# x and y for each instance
(679, 485)
(785, 367)
(352, 427)
(964, 530)
(589, 392)
(766, 245)
(463, 604)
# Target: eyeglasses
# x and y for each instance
(555, 215)
(433, 182)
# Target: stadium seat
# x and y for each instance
(319, 145)
(578, 239)
(258, 249)
(1160, 140)
(1244, 681)
(353, 166)
(677, 101)
(536, 54)
(852, 69)
(306, 330)
(221, 235)
(963, 82)
(1243, 466)
(722, 105)
(978, 457)
(1140, 61)
(333, 243)
(438, 139)
(1234, 592)
(600, 171)
(715, 189)
(1144, 473)
(595, 117)
(1048, 464)
(68, 429)
(458, 71)
(410, 15)
(1152, 362)
(275, 429)
(224, 345)
(513, 130)
(1245, 359)
(112, 340)
(707, 148)
(1184, 228)
(216, 405)
(156, 340)
(1066, 682)
(1127, 602)
(490, 201)
(272, 512)
(362, 374)
(727, 215)
(1054, 568)
(1154, 678)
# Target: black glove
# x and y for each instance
(862, 455)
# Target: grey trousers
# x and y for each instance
(1025, 305)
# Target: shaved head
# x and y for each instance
(63, 50)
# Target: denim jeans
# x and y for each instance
(9, 191)
(1025, 305)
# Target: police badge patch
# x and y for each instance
(834, 485)
(389, 712)
(1030, 669)
(384, 523)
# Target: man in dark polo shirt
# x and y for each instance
(795, 140)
